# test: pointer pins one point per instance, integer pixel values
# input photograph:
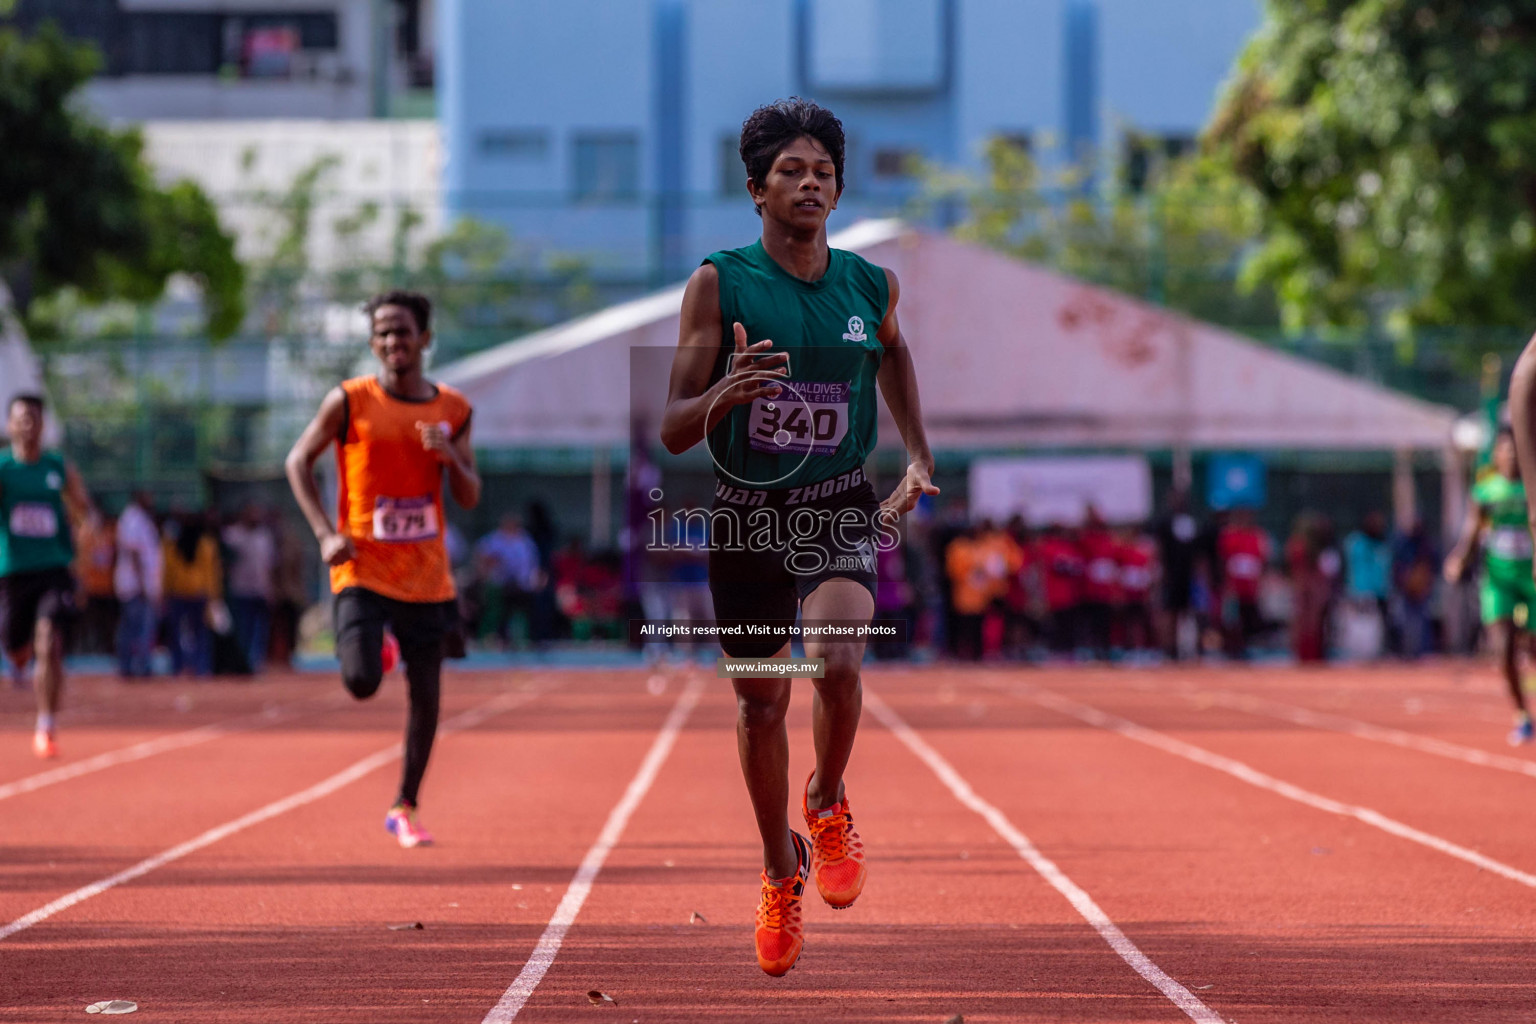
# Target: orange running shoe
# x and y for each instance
(837, 852)
(44, 745)
(779, 935)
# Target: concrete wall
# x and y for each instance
(391, 163)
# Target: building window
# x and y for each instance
(513, 144)
(170, 43)
(1145, 155)
(1021, 141)
(277, 45)
(876, 46)
(896, 162)
(733, 173)
(607, 167)
(253, 44)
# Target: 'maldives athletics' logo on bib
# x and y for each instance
(855, 329)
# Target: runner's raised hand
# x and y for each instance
(750, 374)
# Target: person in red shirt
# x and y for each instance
(1061, 569)
(1101, 583)
(1244, 551)
(1134, 556)
(1018, 624)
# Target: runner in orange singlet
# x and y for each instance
(394, 434)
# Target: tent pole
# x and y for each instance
(1453, 495)
(601, 500)
(1404, 501)
(1183, 468)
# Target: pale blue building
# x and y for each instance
(608, 128)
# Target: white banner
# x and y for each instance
(1060, 490)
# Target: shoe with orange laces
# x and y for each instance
(837, 860)
(779, 935)
(44, 745)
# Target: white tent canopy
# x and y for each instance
(1007, 355)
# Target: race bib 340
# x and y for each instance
(807, 417)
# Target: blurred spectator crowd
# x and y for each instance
(221, 596)
(1182, 586)
(226, 595)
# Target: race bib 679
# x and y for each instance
(404, 519)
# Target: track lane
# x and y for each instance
(951, 922)
(1227, 887)
(293, 913)
(1465, 804)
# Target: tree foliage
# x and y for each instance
(1392, 144)
(79, 208)
(1179, 240)
(474, 273)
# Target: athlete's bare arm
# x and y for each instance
(898, 383)
(458, 455)
(694, 406)
(77, 500)
(335, 548)
(1522, 414)
(1471, 526)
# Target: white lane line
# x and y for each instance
(1084, 904)
(1238, 770)
(518, 993)
(372, 762)
(149, 748)
(1366, 731)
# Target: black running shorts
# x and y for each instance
(770, 548)
(26, 597)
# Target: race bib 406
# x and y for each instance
(1511, 543)
(404, 519)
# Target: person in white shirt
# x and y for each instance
(252, 571)
(137, 579)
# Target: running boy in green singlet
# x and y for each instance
(1498, 513)
(781, 348)
(40, 496)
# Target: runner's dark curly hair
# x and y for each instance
(419, 305)
(768, 129)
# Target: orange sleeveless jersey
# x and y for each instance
(390, 493)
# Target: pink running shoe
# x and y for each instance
(401, 823)
(44, 745)
(390, 656)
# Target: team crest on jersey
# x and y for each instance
(855, 329)
(54, 480)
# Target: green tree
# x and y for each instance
(1179, 239)
(1392, 145)
(80, 211)
(484, 289)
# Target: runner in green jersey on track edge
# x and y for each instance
(1499, 515)
(41, 495)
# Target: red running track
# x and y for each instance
(1045, 845)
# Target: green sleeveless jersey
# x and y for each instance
(34, 529)
(1507, 542)
(824, 421)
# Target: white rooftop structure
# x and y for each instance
(1008, 355)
